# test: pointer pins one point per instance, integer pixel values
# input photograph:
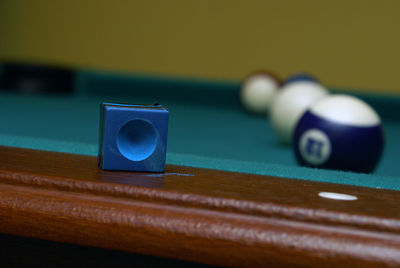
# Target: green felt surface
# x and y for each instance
(210, 131)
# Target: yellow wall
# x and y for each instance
(353, 44)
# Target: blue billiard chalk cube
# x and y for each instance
(133, 137)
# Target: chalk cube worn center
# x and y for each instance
(133, 137)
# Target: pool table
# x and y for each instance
(231, 195)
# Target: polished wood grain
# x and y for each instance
(198, 215)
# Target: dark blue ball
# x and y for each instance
(322, 142)
(299, 77)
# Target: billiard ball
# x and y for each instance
(339, 132)
(289, 105)
(257, 91)
(298, 77)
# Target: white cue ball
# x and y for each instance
(257, 92)
(289, 105)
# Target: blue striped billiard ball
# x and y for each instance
(300, 77)
(339, 132)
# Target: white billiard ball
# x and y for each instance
(289, 105)
(339, 132)
(257, 91)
